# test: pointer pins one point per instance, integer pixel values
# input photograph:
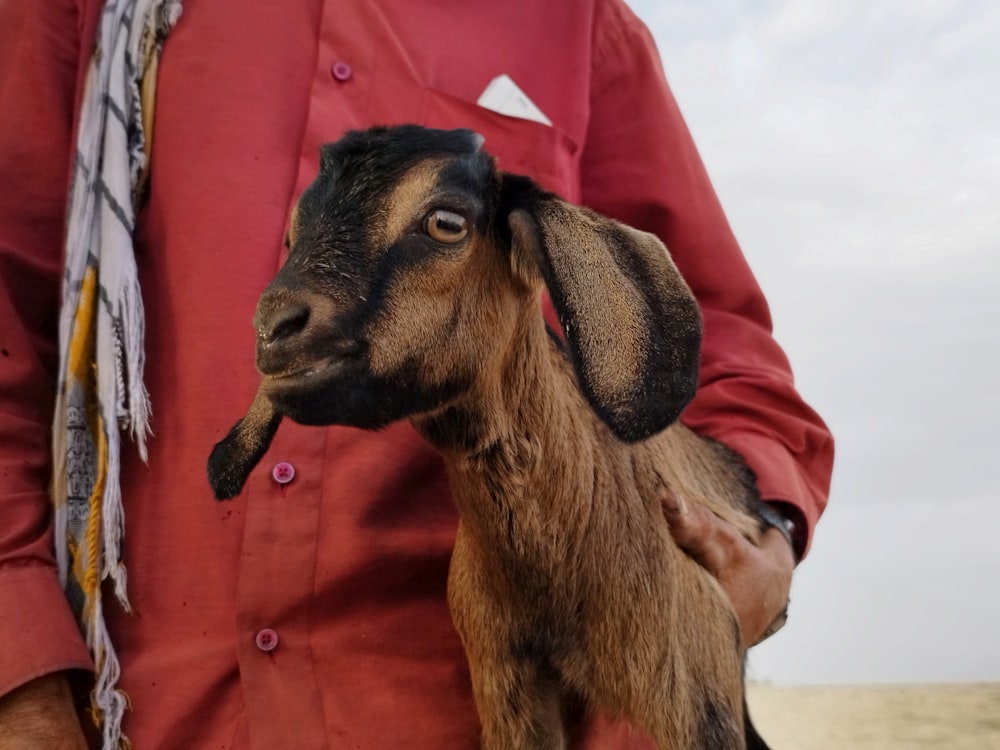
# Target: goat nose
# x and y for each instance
(283, 324)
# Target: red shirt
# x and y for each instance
(346, 563)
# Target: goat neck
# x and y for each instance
(521, 464)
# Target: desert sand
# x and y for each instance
(883, 717)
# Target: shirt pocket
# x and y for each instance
(543, 152)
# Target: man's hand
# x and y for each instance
(40, 715)
(756, 579)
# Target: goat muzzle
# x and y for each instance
(298, 335)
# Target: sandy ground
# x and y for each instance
(906, 717)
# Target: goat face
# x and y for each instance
(367, 321)
(411, 264)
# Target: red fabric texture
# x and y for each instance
(347, 562)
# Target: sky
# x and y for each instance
(856, 149)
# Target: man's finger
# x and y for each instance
(703, 535)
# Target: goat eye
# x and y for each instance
(446, 226)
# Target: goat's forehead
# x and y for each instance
(381, 199)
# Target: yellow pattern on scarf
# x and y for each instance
(81, 367)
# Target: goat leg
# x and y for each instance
(517, 694)
(234, 457)
(519, 705)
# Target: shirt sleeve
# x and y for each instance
(38, 76)
(639, 164)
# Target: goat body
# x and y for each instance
(565, 584)
(411, 291)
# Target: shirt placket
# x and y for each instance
(285, 492)
(275, 588)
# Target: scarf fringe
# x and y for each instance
(107, 703)
(101, 331)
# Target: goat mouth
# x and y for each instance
(304, 373)
(288, 369)
(312, 376)
(322, 392)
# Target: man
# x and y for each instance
(310, 611)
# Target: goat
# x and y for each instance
(411, 290)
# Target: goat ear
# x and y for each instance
(632, 325)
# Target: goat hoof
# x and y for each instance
(227, 469)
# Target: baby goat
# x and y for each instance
(412, 291)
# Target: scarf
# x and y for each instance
(100, 387)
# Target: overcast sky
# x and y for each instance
(856, 147)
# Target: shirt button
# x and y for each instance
(341, 70)
(266, 639)
(283, 472)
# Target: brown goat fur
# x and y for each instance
(565, 585)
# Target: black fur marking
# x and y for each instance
(670, 370)
(717, 729)
(673, 342)
(535, 648)
(364, 400)
(234, 457)
(335, 214)
(476, 180)
(753, 740)
(540, 648)
(393, 150)
(740, 471)
(454, 429)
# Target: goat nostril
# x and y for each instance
(284, 324)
